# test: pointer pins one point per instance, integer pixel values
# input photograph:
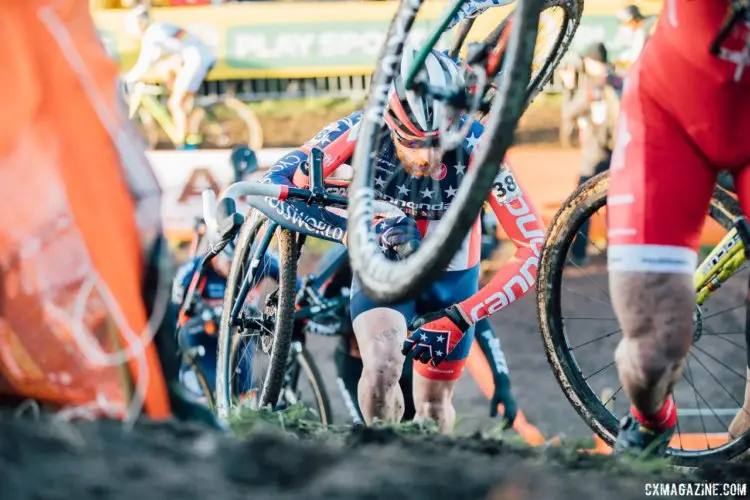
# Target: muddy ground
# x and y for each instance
(45, 460)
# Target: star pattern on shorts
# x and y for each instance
(403, 190)
(460, 168)
(450, 192)
(427, 193)
(379, 182)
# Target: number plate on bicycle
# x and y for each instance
(505, 187)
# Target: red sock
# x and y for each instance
(665, 418)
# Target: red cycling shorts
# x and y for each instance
(663, 172)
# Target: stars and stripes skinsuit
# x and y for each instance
(424, 198)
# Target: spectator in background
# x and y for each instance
(569, 74)
(635, 29)
(595, 106)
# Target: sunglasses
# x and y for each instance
(417, 143)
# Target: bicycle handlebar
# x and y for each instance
(316, 194)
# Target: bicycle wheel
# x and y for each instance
(204, 389)
(391, 281)
(226, 122)
(253, 346)
(558, 24)
(303, 384)
(580, 348)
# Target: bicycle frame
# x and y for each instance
(431, 42)
(316, 194)
(148, 100)
(723, 261)
(308, 294)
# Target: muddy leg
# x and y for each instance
(380, 333)
(655, 313)
(433, 399)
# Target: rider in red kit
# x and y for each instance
(685, 117)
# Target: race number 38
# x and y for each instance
(505, 187)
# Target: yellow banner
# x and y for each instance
(312, 39)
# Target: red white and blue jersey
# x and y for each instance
(424, 197)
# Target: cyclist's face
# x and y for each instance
(417, 155)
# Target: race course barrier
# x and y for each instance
(184, 175)
(304, 39)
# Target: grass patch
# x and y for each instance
(345, 105)
(306, 106)
(300, 421)
(296, 421)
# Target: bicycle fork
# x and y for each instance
(723, 261)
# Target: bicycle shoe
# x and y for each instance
(636, 439)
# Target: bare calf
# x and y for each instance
(655, 312)
(380, 333)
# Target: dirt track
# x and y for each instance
(56, 461)
(536, 389)
(61, 461)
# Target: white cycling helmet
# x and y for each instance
(137, 15)
(414, 117)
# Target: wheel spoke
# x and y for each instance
(704, 400)
(742, 376)
(679, 431)
(586, 296)
(697, 404)
(613, 395)
(599, 370)
(588, 276)
(729, 393)
(591, 242)
(720, 336)
(722, 312)
(589, 319)
(597, 338)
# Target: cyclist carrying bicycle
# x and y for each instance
(685, 116)
(440, 324)
(159, 40)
